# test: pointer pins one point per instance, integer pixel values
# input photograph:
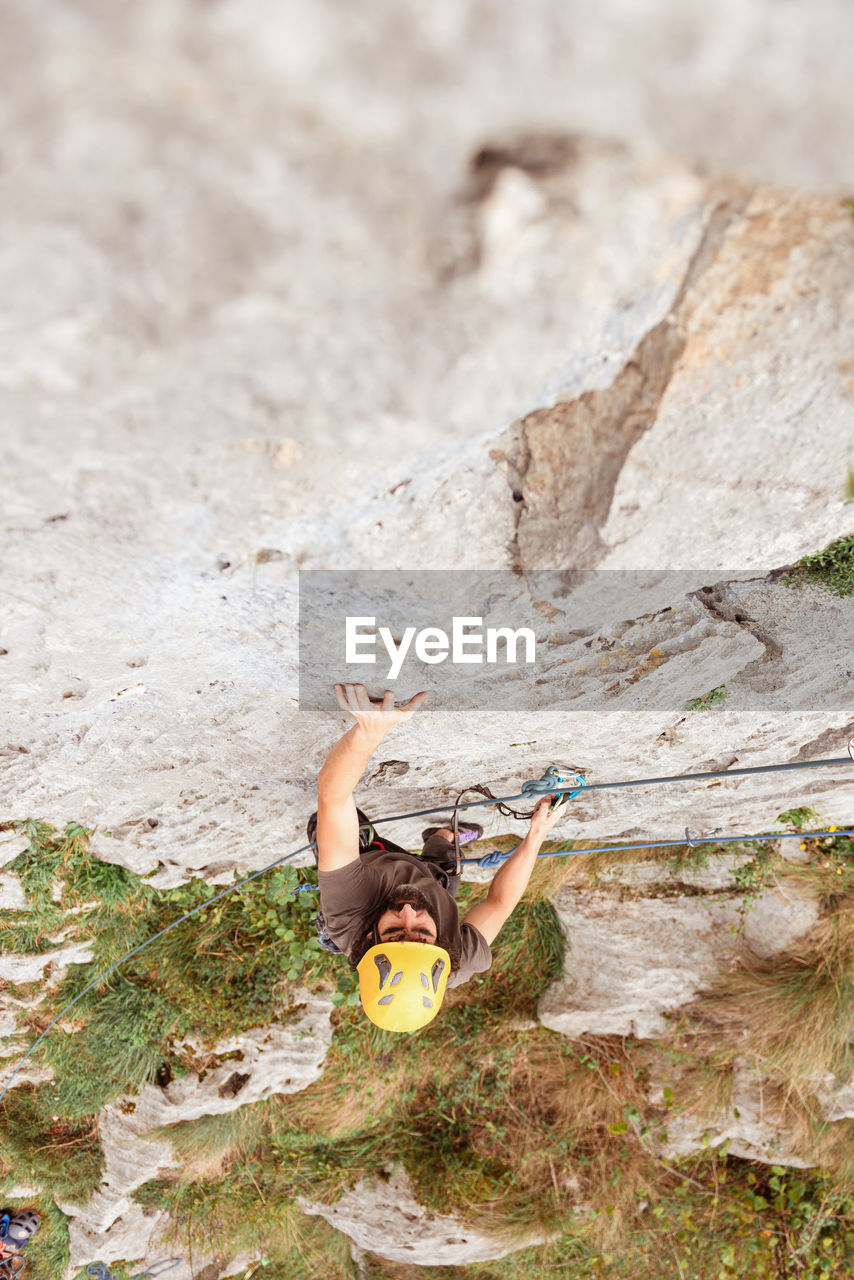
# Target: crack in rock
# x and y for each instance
(715, 602)
(563, 462)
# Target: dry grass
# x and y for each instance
(334, 1107)
(217, 1139)
(704, 1087)
(583, 867)
(549, 1128)
(795, 1010)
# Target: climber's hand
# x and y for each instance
(375, 717)
(542, 819)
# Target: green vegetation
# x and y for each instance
(849, 485)
(496, 1120)
(752, 877)
(229, 967)
(831, 568)
(47, 1255)
(798, 818)
(711, 699)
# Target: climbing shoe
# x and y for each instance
(17, 1228)
(467, 831)
(367, 835)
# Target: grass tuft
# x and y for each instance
(38, 1146)
(831, 568)
(711, 699)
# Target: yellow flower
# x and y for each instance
(832, 828)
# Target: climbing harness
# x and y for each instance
(557, 779)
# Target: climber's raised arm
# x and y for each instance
(511, 879)
(337, 821)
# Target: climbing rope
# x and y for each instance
(555, 780)
(101, 1272)
(692, 841)
(538, 786)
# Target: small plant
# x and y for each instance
(752, 878)
(849, 486)
(32, 1136)
(829, 869)
(798, 818)
(831, 568)
(711, 699)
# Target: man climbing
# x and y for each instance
(391, 912)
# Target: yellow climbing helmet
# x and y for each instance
(402, 984)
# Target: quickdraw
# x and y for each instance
(556, 779)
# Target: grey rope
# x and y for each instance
(630, 782)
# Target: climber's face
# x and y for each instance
(406, 917)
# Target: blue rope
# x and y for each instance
(533, 787)
(498, 856)
(633, 782)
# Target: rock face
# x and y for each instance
(140, 1234)
(262, 1061)
(22, 969)
(751, 1122)
(836, 1098)
(384, 1217)
(294, 287)
(631, 959)
(700, 378)
(181, 760)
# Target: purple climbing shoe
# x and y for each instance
(468, 831)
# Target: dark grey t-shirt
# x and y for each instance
(351, 896)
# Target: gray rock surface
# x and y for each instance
(140, 1235)
(273, 1059)
(294, 286)
(183, 759)
(836, 1097)
(27, 968)
(12, 897)
(631, 959)
(751, 1121)
(262, 1061)
(383, 1216)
